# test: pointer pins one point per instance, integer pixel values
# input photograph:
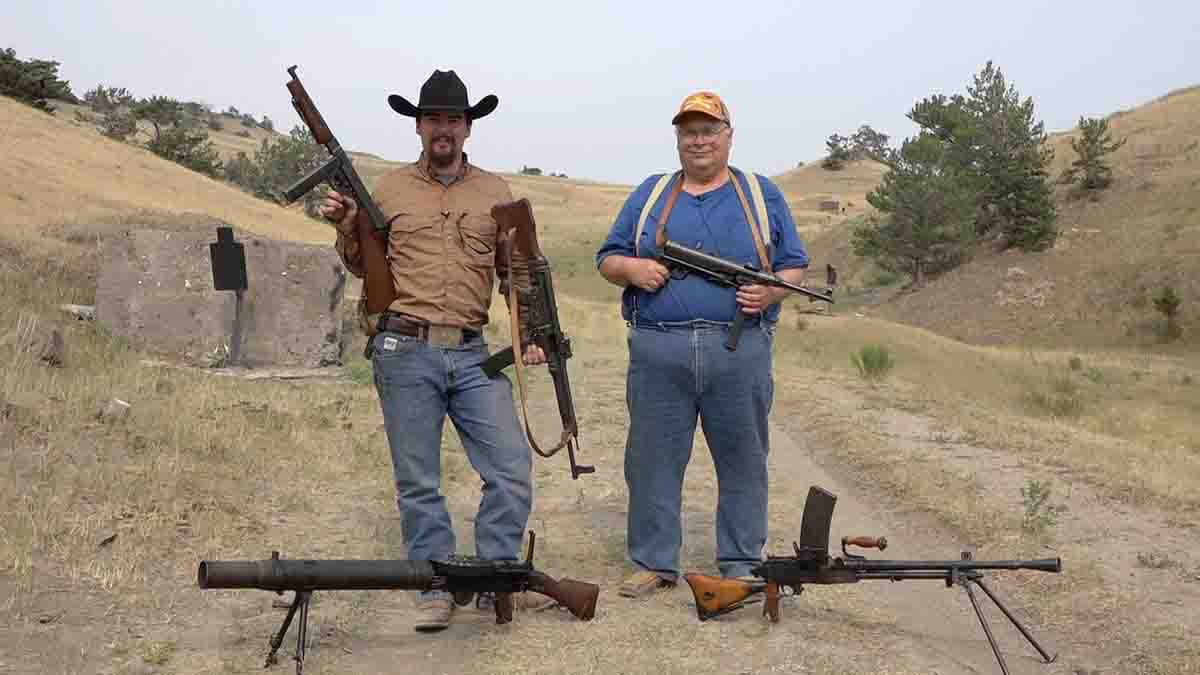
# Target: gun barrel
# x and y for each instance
(1039, 565)
(727, 272)
(274, 574)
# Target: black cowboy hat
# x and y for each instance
(443, 91)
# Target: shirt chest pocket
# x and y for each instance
(476, 236)
(415, 234)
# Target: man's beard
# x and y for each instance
(442, 160)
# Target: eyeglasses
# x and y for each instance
(707, 132)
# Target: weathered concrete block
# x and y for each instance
(156, 288)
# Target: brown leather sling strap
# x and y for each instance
(519, 355)
(660, 234)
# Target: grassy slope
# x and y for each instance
(176, 490)
(1093, 288)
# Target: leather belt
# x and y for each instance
(420, 329)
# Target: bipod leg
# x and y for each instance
(987, 630)
(1049, 658)
(302, 634)
(299, 602)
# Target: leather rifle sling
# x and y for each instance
(750, 220)
(519, 356)
(660, 232)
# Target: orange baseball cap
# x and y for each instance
(703, 102)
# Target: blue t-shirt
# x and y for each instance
(715, 223)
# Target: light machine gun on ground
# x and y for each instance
(812, 564)
(461, 576)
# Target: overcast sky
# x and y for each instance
(589, 88)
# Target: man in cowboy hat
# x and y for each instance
(445, 253)
(679, 368)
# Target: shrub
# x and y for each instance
(873, 362)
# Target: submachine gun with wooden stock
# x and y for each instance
(812, 564)
(462, 576)
(545, 330)
(378, 288)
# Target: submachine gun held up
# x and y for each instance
(679, 258)
(812, 564)
(545, 331)
(461, 576)
(379, 289)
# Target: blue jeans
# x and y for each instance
(419, 385)
(676, 374)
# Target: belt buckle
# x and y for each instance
(445, 336)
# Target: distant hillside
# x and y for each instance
(1093, 288)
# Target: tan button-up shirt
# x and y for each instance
(444, 248)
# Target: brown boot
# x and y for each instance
(433, 612)
(642, 584)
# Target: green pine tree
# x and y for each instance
(1013, 161)
(929, 208)
(1089, 169)
(993, 141)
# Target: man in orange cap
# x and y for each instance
(679, 369)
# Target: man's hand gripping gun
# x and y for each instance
(461, 576)
(812, 564)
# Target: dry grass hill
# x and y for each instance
(1093, 288)
(107, 519)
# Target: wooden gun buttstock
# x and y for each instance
(379, 287)
(518, 217)
(579, 597)
(715, 596)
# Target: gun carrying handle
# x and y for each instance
(865, 542)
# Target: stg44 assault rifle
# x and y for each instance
(681, 259)
(812, 564)
(461, 576)
(545, 331)
(379, 289)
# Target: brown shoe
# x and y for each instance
(433, 613)
(526, 601)
(641, 584)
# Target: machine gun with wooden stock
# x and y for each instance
(545, 331)
(462, 576)
(812, 564)
(378, 288)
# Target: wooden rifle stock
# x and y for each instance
(715, 595)
(378, 285)
(579, 597)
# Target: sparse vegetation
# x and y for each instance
(1167, 303)
(1039, 514)
(873, 361)
(1090, 170)
(34, 82)
(838, 154)
(279, 161)
(1062, 399)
